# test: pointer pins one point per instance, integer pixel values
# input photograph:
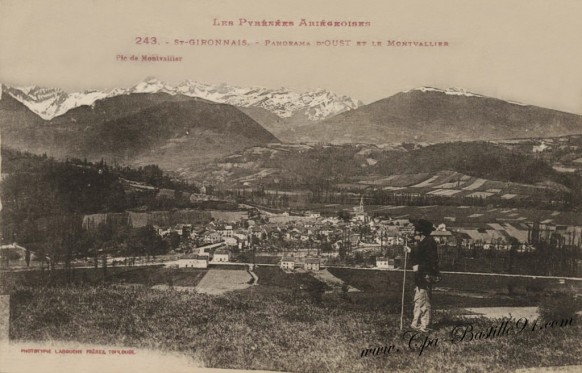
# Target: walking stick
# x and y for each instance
(403, 285)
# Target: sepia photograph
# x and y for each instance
(290, 186)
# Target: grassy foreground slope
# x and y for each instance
(277, 330)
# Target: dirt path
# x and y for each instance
(562, 369)
(529, 313)
(336, 283)
(178, 288)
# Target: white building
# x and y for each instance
(14, 255)
(231, 241)
(382, 262)
(312, 264)
(442, 236)
(193, 261)
(221, 255)
(540, 148)
(288, 263)
(208, 250)
(312, 214)
(225, 231)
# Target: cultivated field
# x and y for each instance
(220, 281)
(458, 215)
(450, 183)
(146, 276)
(162, 276)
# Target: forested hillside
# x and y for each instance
(38, 185)
(331, 165)
(44, 200)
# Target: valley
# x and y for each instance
(184, 203)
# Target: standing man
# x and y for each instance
(424, 260)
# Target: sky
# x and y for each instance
(520, 50)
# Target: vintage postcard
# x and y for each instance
(290, 186)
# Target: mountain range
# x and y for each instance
(154, 122)
(434, 115)
(139, 128)
(314, 105)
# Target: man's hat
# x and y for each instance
(423, 226)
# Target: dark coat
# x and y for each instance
(426, 256)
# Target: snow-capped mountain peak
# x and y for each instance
(152, 85)
(449, 91)
(457, 92)
(315, 104)
(50, 102)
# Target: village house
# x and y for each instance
(14, 255)
(332, 221)
(333, 254)
(383, 262)
(326, 232)
(193, 261)
(288, 263)
(211, 237)
(390, 238)
(163, 232)
(231, 241)
(221, 255)
(294, 234)
(225, 230)
(443, 237)
(194, 235)
(276, 235)
(184, 229)
(241, 235)
(197, 197)
(312, 214)
(258, 232)
(208, 250)
(312, 264)
(540, 148)
(354, 240)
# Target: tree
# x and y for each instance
(344, 215)
(174, 240)
(359, 258)
(151, 243)
(342, 251)
(514, 245)
(316, 290)
(103, 240)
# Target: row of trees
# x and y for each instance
(551, 199)
(61, 240)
